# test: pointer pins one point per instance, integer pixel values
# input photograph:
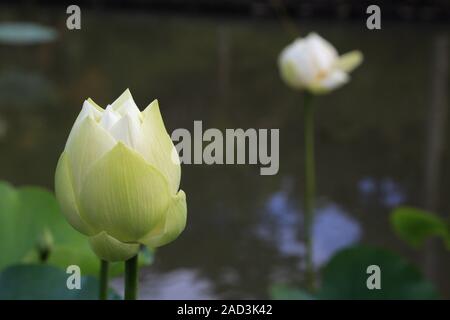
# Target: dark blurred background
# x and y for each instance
(381, 140)
(405, 10)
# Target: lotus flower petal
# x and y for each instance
(66, 196)
(174, 223)
(349, 61)
(88, 144)
(124, 195)
(157, 147)
(323, 54)
(110, 249)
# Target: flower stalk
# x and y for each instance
(131, 278)
(313, 65)
(104, 279)
(310, 185)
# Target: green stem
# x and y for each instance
(310, 181)
(104, 277)
(131, 278)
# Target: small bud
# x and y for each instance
(44, 244)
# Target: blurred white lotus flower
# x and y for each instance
(116, 180)
(312, 63)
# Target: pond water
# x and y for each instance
(244, 229)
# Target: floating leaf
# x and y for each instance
(283, 292)
(25, 33)
(41, 282)
(30, 214)
(19, 226)
(345, 277)
(415, 226)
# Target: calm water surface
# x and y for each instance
(244, 230)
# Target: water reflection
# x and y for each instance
(181, 284)
(333, 228)
(281, 222)
(385, 191)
